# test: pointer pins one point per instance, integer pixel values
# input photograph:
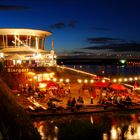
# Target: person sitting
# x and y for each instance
(51, 104)
(79, 102)
(37, 90)
(118, 99)
(69, 102)
(128, 101)
(80, 99)
(73, 104)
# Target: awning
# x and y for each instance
(101, 84)
(15, 57)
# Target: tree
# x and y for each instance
(15, 123)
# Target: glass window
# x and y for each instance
(33, 41)
(40, 43)
(1, 41)
(23, 40)
(11, 40)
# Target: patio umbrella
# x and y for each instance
(101, 84)
(50, 84)
(117, 86)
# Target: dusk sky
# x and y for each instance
(78, 25)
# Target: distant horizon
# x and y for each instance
(121, 55)
(96, 60)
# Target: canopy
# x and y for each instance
(49, 84)
(15, 57)
(101, 84)
(117, 87)
(22, 49)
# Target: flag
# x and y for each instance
(135, 85)
(52, 44)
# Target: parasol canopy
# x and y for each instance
(101, 84)
(49, 84)
(117, 87)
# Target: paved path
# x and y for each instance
(76, 91)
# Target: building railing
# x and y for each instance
(18, 69)
(25, 69)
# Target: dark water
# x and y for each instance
(99, 126)
(112, 70)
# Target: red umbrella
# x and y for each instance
(101, 84)
(117, 87)
(50, 84)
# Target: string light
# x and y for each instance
(114, 80)
(135, 78)
(67, 80)
(130, 79)
(79, 81)
(103, 81)
(120, 80)
(92, 81)
(125, 80)
(61, 80)
(85, 80)
(54, 79)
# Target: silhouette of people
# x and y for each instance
(79, 103)
(73, 102)
(69, 102)
(50, 104)
(91, 100)
(80, 99)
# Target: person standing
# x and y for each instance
(91, 100)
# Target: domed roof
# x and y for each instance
(22, 31)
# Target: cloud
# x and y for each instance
(13, 7)
(72, 23)
(118, 47)
(78, 52)
(130, 47)
(67, 1)
(59, 25)
(100, 40)
(101, 29)
(97, 47)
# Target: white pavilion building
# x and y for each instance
(25, 47)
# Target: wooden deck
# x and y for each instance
(83, 110)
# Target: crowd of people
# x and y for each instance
(72, 103)
(58, 90)
(95, 96)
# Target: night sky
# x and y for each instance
(78, 25)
